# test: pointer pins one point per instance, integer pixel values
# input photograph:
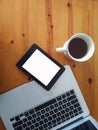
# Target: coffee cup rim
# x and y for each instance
(89, 53)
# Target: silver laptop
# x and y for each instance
(30, 107)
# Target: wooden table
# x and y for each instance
(49, 23)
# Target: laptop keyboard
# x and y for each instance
(49, 114)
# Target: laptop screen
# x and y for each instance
(85, 126)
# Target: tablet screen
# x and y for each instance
(40, 66)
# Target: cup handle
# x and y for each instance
(60, 49)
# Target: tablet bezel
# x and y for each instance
(28, 54)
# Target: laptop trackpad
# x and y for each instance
(34, 94)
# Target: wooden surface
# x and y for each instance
(49, 23)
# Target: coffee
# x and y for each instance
(77, 48)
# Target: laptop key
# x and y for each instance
(18, 128)
(72, 92)
(21, 115)
(31, 111)
(29, 123)
(59, 98)
(63, 95)
(17, 118)
(74, 101)
(76, 105)
(41, 122)
(68, 93)
(33, 121)
(29, 118)
(34, 116)
(25, 120)
(24, 125)
(26, 113)
(71, 97)
(17, 124)
(12, 119)
(32, 127)
(27, 128)
(41, 128)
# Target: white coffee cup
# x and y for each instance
(89, 47)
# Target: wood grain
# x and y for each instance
(49, 23)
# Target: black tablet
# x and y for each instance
(40, 66)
